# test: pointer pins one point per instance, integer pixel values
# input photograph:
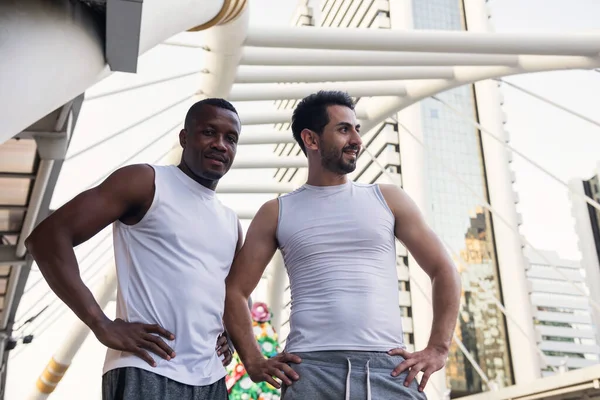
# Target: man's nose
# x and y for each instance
(219, 143)
(356, 140)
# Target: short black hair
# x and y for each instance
(195, 109)
(311, 112)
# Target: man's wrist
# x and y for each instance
(96, 321)
(253, 359)
(442, 348)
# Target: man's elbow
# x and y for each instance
(234, 292)
(446, 272)
(31, 241)
(453, 278)
(42, 238)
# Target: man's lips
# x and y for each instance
(218, 158)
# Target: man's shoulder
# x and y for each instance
(388, 189)
(268, 212)
(137, 170)
(135, 178)
(271, 206)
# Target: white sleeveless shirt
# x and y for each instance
(339, 249)
(171, 270)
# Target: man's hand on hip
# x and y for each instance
(135, 338)
(265, 369)
(223, 349)
(428, 361)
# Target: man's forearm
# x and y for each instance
(238, 323)
(446, 302)
(57, 262)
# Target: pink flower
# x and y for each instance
(260, 312)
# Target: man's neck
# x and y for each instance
(325, 178)
(209, 184)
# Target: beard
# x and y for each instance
(333, 160)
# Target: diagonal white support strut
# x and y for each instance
(378, 109)
(291, 74)
(310, 57)
(572, 44)
(275, 91)
(270, 137)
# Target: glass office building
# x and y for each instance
(460, 219)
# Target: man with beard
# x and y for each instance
(337, 238)
(173, 247)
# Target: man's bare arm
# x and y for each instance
(121, 196)
(246, 271)
(429, 252)
(224, 345)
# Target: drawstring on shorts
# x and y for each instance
(348, 380)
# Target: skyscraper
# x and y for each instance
(435, 152)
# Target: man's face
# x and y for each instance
(210, 148)
(340, 142)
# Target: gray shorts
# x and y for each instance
(350, 375)
(138, 384)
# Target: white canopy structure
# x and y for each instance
(41, 91)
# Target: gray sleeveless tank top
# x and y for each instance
(339, 249)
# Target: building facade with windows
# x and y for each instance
(562, 312)
(587, 227)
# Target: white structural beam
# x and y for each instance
(245, 214)
(568, 44)
(380, 108)
(291, 74)
(269, 137)
(62, 358)
(256, 188)
(569, 385)
(310, 57)
(54, 66)
(266, 117)
(276, 91)
(270, 162)
(224, 45)
(279, 116)
(222, 56)
(511, 260)
(69, 34)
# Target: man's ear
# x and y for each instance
(183, 138)
(310, 139)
